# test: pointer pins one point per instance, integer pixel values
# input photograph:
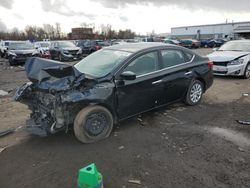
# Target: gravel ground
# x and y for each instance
(177, 146)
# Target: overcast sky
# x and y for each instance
(140, 16)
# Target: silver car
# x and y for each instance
(233, 58)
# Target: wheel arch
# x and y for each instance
(203, 83)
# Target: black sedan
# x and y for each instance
(111, 85)
(64, 51)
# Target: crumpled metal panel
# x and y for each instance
(52, 76)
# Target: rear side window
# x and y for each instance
(172, 58)
(189, 56)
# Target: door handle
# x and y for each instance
(157, 82)
(188, 73)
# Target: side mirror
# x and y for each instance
(215, 49)
(128, 75)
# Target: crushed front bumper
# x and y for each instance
(231, 70)
(71, 56)
(36, 129)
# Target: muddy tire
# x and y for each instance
(247, 71)
(194, 94)
(92, 124)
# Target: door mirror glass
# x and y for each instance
(128, 75)
(215, 49)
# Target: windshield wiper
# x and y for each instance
(236, 50)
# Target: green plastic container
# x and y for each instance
(89, 177)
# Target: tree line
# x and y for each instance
(54, 32)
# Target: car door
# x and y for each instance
(177, 73)
(141, 94)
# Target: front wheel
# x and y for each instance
(247, 71)
(92, 124)
(194, 93)
(11, 61)
(60, 57)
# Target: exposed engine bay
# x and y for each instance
(51, 95)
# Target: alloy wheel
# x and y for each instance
(196, 93)
(247, 73)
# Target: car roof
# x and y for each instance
(135, 47)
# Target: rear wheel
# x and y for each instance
(194, 93)
(247, 71)
(92, 124)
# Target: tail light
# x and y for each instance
(210, 64)
(97, 47)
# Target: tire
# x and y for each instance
(247, 71)
(11, 62)
(92, 124)
(194, 94)
(60, 57)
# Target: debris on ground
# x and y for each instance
(243, 122)
(241, 149)
(139, 119)
(4, 133)
(121, 147)
(20, 68)
(138, 182)
(245, 94)
(2, 149)
(3, 93)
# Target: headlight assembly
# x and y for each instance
(236, 62)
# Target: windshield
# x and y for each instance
(44, 45)
(20, 45)
(236, 46)
(65, 44)
(101, 63)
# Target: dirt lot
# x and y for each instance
(178, 146)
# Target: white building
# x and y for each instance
(231, 30)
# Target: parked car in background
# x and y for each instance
(19, 51)
(43, 48)
(190, 43)
(65, 51)
(4, 48)
(216, 43)
(90, 46)
(111, 85)
(212, 43)
(232, 58)
(104, 44)
(172, 41)
(204, 42)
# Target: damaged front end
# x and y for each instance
(45, 95)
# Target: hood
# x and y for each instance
(28, 51)
(52, 76)
(221, 56)
(71, 48)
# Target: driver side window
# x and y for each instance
(144, 64)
